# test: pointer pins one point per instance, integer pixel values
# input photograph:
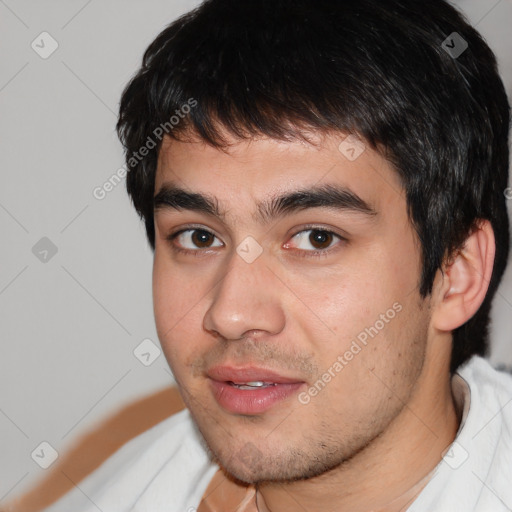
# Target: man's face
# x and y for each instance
(296, 347)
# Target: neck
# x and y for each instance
(392, 470)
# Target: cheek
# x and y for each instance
(164, 304)
(364, 383)
(177, 304)
(176, 291)
(366, 316)
(337, 306)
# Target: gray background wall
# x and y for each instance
(70, 321)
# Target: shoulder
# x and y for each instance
(474, 473)
(488, 438)
(489, 420)
(166, 460)
(492, 387)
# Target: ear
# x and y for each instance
(466, 279)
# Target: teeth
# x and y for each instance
(252, 385)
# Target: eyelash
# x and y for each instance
(319, 253)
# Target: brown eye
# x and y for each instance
(320, 239)
(202, 238)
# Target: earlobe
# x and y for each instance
(466, 279)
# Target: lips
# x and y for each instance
(250, 390)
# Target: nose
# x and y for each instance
(246, 299)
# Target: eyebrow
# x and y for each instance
(171, 197)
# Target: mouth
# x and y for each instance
(250, 390)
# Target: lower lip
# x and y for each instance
(242, 401)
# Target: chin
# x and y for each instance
(248, 463)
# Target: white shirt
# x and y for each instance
(167, 468)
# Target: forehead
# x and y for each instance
(252, 170)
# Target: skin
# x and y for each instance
(369, 438)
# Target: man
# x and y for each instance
(322, 183)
